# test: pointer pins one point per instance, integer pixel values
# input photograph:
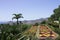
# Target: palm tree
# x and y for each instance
(17, 16)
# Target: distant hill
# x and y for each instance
(26, 21)
(34, 21)
(3, 22)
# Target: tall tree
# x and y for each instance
(17, 16)
(56, 14)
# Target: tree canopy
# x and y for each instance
(56, 14)
(17, 16)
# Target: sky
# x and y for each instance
(30, 9)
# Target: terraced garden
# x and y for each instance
(45, 32)
(41, 32)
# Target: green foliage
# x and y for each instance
(58, 38)
(12, 32)
(56, 25)
(57, 30)
(36, 24)
(25, 26)
(43, 22)
(56, 14)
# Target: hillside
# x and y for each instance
(34, 21)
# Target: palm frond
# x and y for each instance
(13, 18)
(14, 14)
(19, 14)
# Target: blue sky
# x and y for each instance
(31, 9)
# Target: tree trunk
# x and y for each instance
(17, 22)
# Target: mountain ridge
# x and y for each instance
(26, 21)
